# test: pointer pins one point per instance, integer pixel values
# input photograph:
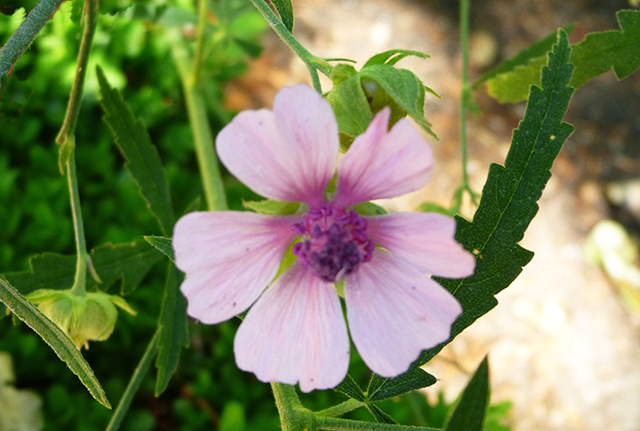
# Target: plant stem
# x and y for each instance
(288, 403)
(25, 34)
(66, 139)
(197, 55)
(79, 283)
(68, 129)
(312, 62)
(134, 384)
(335, 424)
(199, 122)
(464, 102)
(340, 409)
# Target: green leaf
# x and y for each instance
(510, 194)
(404, 88)
(285, 10)
(469, 413)
(381, 388)
(143, 160)
(162, 244)
(126, 262)
(350, 388)
(54, 337)
(522, 59)
(174, 333)
(514, 86)
(393, 56)
(618, 50)
(379, 415)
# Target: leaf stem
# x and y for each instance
(25, 34)
(312, 62)
(134, 384)
(67, 141)
(340, 409)
(199, 122)
(335, 424)
(464, 106)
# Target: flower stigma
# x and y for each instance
(335, 242)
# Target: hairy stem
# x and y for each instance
(25, 34)
(312, 62)
(340, 409)
(134, 384)
(335, 424)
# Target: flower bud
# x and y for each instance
(91, 317)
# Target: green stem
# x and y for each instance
(197, 55)
(288, 405)
(68, 129)
(340, 409)
(202, 136)
(66, 139)
(335, 424)
(312, 62)
(464, 102)
(79, 283)
(134, 384)
(25, 34)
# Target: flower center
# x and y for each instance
(335, 242)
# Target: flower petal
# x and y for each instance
(395, 312)
(288, 154)
(295, 333)
(427, 240)
(229, 258)
(383, 164)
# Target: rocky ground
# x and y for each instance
(563, 346)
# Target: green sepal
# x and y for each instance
(272, 207)
(470, 412)
(430, 207)
(369, 209)
(341, 72)
(393, 56)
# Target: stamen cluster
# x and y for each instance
(335, 243)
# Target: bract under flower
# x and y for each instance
(295, 331)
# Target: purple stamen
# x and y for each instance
(336, 242)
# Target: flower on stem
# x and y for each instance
(295, 330)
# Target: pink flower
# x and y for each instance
(295, 331)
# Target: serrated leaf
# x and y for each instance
(126, 262)
(618, 50)
(143, 160)
(514, 86)
(162, 244)
(285, 10)
(393, 56)
(522, 58)
(509, 197)
(379, 415)
(174, 333)
(381, 388)
(470, 411)
(350, 388)
(54, 337)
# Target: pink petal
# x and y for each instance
(229, 258)
(427, 240)
(383, 164)
(287, 154)
(395, 312)
(295, 333)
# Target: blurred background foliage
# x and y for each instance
(208, 391)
